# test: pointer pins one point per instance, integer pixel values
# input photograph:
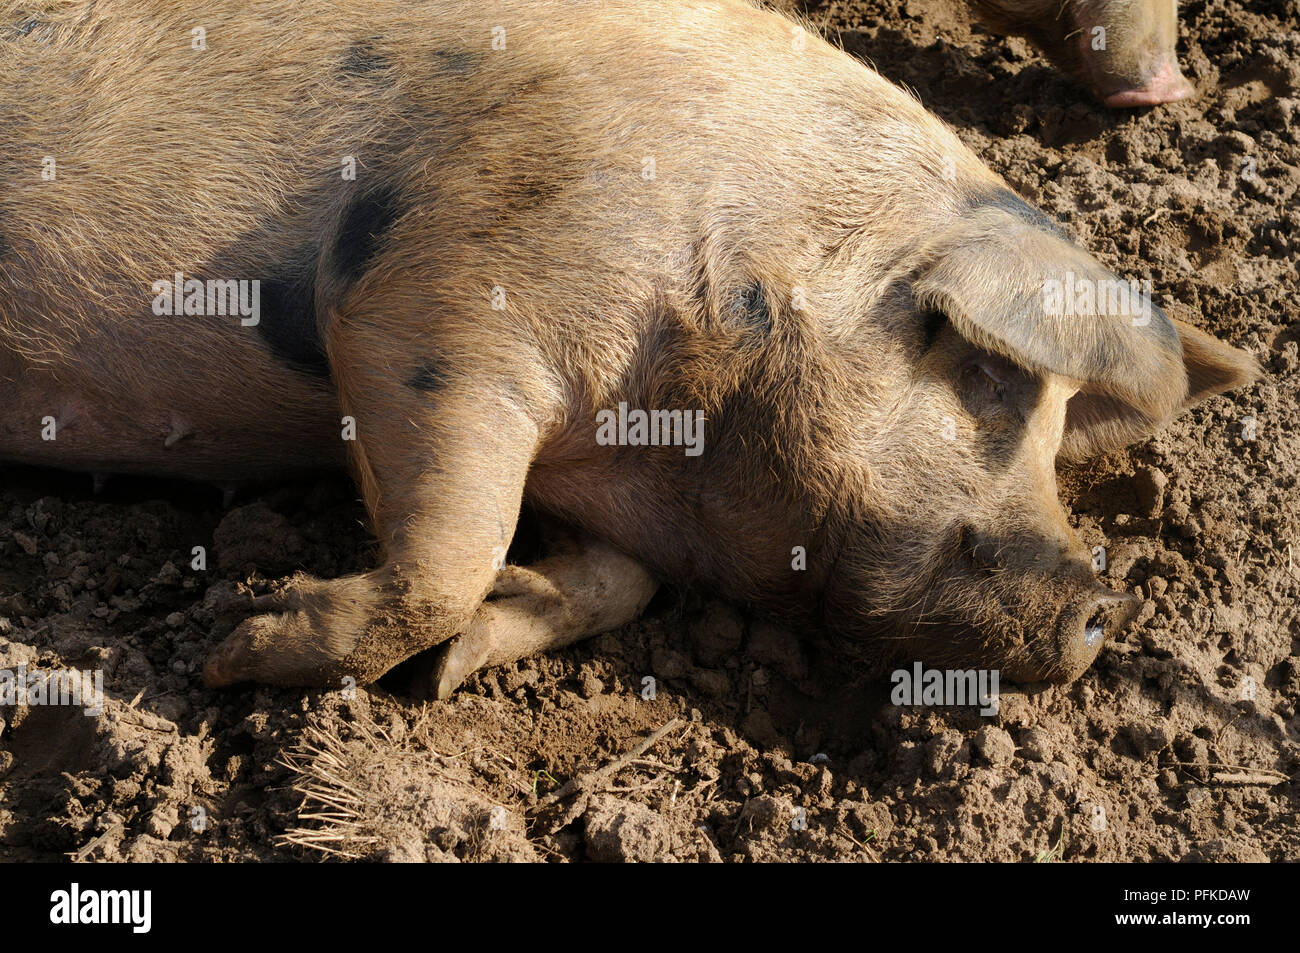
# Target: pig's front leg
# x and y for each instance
(582, 588)
(442, 472)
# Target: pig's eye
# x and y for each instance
(931, 323)
(982, 378)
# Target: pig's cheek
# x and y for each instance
(1092, 72)
(1098, 70)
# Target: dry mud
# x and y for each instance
(1159, 752)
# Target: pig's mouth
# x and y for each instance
(1061, 656)
(1163, 84)
(1036, 625)
(1034, 643)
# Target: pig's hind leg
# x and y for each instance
(580, 588)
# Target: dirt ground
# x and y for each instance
(770, 753)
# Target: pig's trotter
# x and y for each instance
(301, 645)
(323, 631)
(588, 589)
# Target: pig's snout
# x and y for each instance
(1083, 628)
(1141, 71)
(1165, 84)
(1052, 611)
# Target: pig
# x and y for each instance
(1122, 50)
(467, 249)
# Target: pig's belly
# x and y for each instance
(164, 421)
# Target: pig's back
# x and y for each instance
(586, 146)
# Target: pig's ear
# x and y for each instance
(1009, 280)
(1007, 283)
(1097, 422)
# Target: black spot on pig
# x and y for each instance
(931, 323)
(362, 231)
(524, 192)
(428, 377)
(362, 59)
(288, 317)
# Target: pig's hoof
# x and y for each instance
(456, 661)
(225, 665)
(464, 655)
(248, 655)
(283, 649)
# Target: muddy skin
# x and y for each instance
(1197, 518)
(370, 307)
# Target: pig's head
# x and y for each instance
(1000, 364)
(1123, 50)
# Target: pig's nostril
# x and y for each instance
(1084, 624)
(1111, 611)
(1095, 630)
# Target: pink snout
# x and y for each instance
(1165, 85)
